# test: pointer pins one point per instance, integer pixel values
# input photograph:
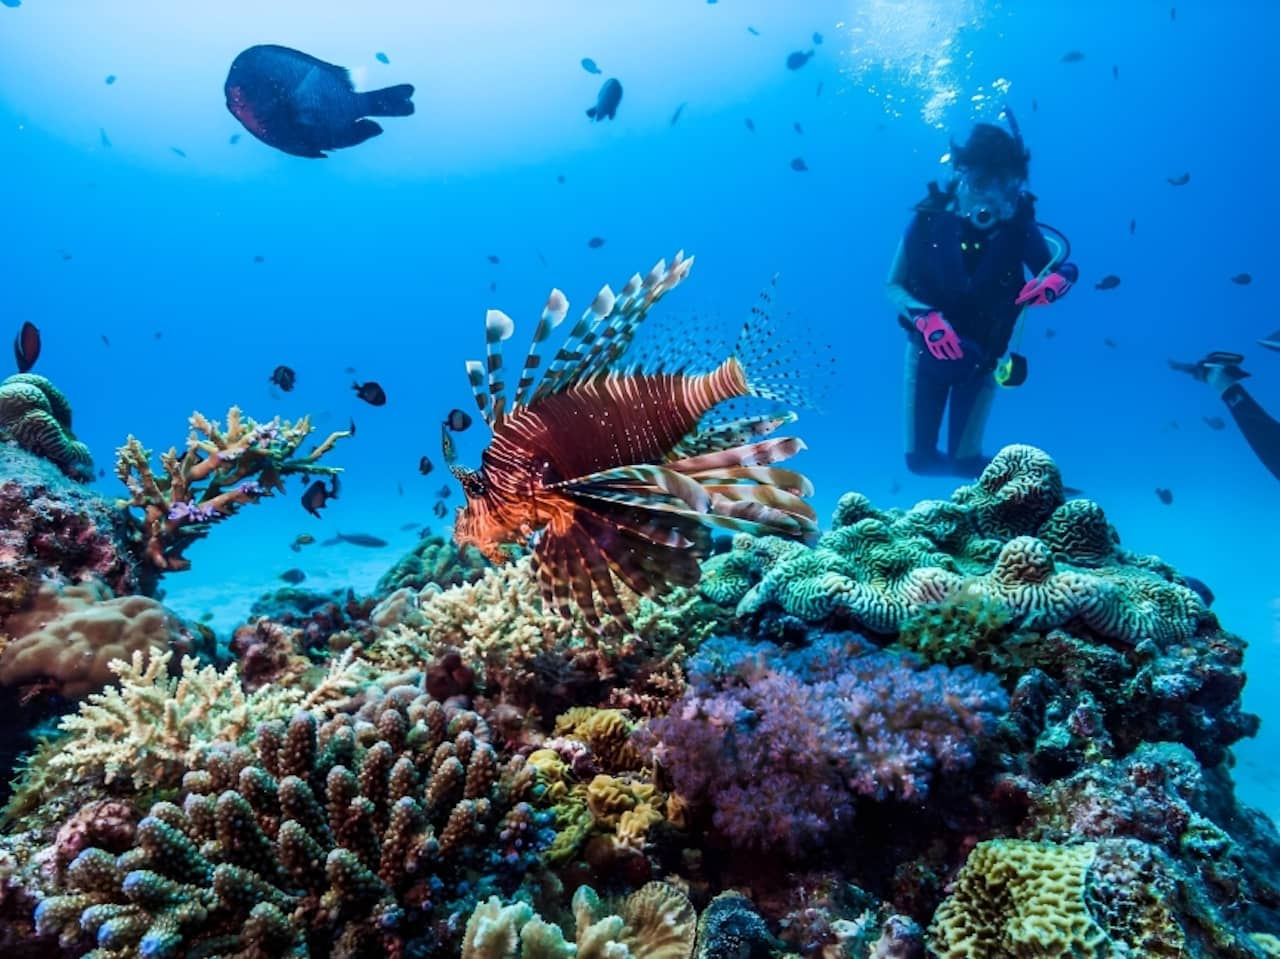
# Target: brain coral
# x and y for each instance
(36, 416)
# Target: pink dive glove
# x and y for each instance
(939, 337)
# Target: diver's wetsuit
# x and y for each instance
(972, 277)
(1261, 432)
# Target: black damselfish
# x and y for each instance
(303, 106)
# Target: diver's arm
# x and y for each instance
(896, 286)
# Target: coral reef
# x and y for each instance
(433, 559)
(368, 835)
(221, 470)
(657, 921)
(66, 640)
(781, 746)
(36, 416)
(52, 526)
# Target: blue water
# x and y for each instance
(376, 258)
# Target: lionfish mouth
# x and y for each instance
(623, 472)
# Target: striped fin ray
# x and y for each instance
(475, 375)
(762, 453)
(497, 328)
(719, 435)
(564, 368)
(553, 315)
(637, 298)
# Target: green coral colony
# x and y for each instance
(972, 729)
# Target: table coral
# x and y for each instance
(221, 470)
(36, 416)
(369, 835)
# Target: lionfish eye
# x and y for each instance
(473, 486)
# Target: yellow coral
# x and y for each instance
(606, 731)
(1014, 898)
(608, 797)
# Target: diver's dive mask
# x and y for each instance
(985, 199)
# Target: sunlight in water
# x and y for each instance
(913, 55)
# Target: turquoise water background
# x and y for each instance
(377, 257)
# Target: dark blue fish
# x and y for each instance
(180, 152)
(590, 65)
(817, 39)
(753, 31)
(293, 576)
(381, 57)
(458, 420)
(596, 242)
(607, 101)
(12, 3)
(798, 59)
(303, 106)
(1165, 496)
(103, 138)
(799, 165)
(751, 125)
(371, 392)
(1072, 56)
(111, 78)
(235, 138)
(1242, 279)
(675, 117)
(797, 127)
(356, 539)
(1181, 179)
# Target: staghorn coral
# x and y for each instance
(368, 835)
(779, 746)
(657, 921)
(66, 641)
(36, 416)
(220, 471)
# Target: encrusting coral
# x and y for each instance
(36, 416)
(369, 835)
(221, 470)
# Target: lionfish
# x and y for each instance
(611, 470)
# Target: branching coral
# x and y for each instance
(368, 836)
(150, 727)
(36, 416)
(220, 471)
(780, 746)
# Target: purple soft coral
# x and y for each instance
(780, 746)
(184, 511)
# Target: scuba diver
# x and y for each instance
(957, 282)
(1222, 372)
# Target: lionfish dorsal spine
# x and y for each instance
(565, 367)
(475, 376)
(553, 315)
(497, 328)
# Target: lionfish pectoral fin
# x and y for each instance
(645, 479)
(753, 454)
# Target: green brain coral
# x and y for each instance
(36, 416)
